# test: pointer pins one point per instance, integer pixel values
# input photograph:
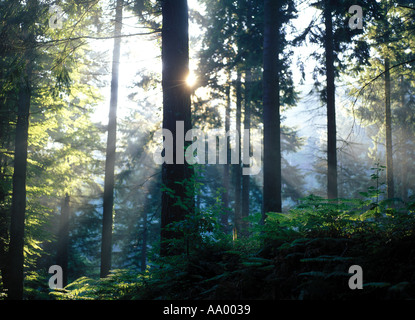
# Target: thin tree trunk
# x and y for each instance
(225, 196)
(331, 105)
(404, 157)
(176, 114)
(17, 223)
(108, 204)
(404, 173)
(63, 240)
(271, 114)
(388, 125)
(237, 169)
(143, 262)
(246, 178)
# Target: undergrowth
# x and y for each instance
(304, 254)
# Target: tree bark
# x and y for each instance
(225, 196)
(271, 114)
(405, 138)
(332, 192)
(108, 201)
(237, 169)
(176, 108)
(63, 240)
(17, 222)
(246, 178)
(143, 262)
(388, 127)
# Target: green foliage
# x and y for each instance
(304, 254)
(62, 138)
(201, 226)
(118, 285)
(36, 286)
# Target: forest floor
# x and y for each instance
(313, 253)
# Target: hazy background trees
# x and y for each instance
(335, 107)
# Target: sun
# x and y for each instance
(191, 79)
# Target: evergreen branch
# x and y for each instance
(371, 81)
(99, 38)
(381, 74)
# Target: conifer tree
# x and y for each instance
(177, 199)
(18, 209)
(108, 203)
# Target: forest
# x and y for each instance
(207, 150)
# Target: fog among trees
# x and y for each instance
(207, 150)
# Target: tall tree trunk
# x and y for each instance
(388, 126)
(225, 195)
(17, 222)
(331, 104)
(63, 240)
(143, 262)
(176, 111)
(237, 169)
(405, 138)
(246, 141)
(271, 114)
(108, 204)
